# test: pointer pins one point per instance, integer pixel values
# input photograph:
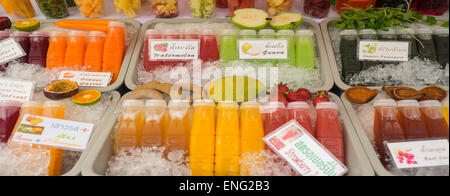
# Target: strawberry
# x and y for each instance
(304, 93)
(278, 97)
(321, 96)
(283, 88)
(293, 97)
(321, 93)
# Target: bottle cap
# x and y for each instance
(367, 32)
(424, 31)
(298, 105)
(116, 24)
(10, 103)
(97, 34)
(54, 104)
(32, 104)
(385, 102)
(304, 33)
(326, 105)
(441, 31)
(4, 33)
(388, 32)
(286, 32)
(19, 34)
(155, 103)
(58, 33)
(348, 32)
(408, 103)
(204, 102)
(153, 32)
(231, 104)
(179, 103)
(266, 32)
(248, 32)
(39, 34)
(133, 103)
(171, 32)
(250, 104)
(209, 32)
(229, 32)
(77, 34)
(429, 103)
(408, 31)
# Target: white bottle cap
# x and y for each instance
(133, 103)
(155, 103)
(326, 105)
(348, 32)
(297, 105)
(385, 102)
(430, 103)
(204, 102)
(408, 103)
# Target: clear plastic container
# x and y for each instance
(165, 8)
(341, 5)
(369, 35)
(18, 8)
(91, 8)
(316, 8)
(306, 55)
(440, 38)
(202, 8)
(228, 45)
(408, 36)
(39, 42)
(431, 7)
(23, 38)
(348, 49)
(388, 35)
(276, 7)
(426, 49)
(9, 113)
(233, 5)
(53, 8)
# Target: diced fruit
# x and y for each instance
(250, 18)
(5, 23)
(27, 25)
(61, 89)
(286, 21)
(88, 97)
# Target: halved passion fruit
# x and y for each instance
(360, 94)
(402, 93)
(61, 89)
(433, 93)
(88, 97)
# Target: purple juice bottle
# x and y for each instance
(23, 38)
(39, 42)
(9, 113)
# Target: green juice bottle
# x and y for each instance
(248, 34)
(305, 49)
(288, 35)
(267, 34)
(228, 45)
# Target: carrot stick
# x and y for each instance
(87, 27)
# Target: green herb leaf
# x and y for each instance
(431, 20)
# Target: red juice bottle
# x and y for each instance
(9, 113)
(431, 111)
(191, 35)
(316, 8)
(149, 64)
(209, 49)
(172, 35)
(23, 38)
(410, 119)
(328, 129)
(431, 7)
(300, 111)
(38, 48)
(274, 116)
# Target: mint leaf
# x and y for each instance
(445, 24)
(431, 20)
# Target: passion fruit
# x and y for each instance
(61, 89)
(360, 94)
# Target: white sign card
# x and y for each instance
(174, 50)
(10, 49)
(90, 79)
(14, 90)
(263, 49)
(303, 152)
(392, 51)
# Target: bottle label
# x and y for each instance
(173, 50)
(413, 154)
(390, 51)
(303, 152)
(10, 50)
(263, 49)
(12, 90)
(63, 134)
(88, 79)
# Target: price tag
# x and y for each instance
(10, 50)
(83, 78)
(383, 51)
(263, 49)
(12, 90)
(427, 153)
(303, 152)
(53, 132)
(174, 49)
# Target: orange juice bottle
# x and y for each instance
(93, 58)
(114, 49)
(56, 49)
(76, 48)
(227, 139)
(434, 119)
(445, 111)
(410, 119)
(54, 109)
(155, 118)
(129, 129)
(203, 133)
(177, 132)
(252, 130)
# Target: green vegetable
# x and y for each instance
(203, 8)
(53, 8)
(431, 20)
(445, 24)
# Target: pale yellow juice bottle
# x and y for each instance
(177, 132)
(155, 119)
(227, 139)
(54, 109)
(203, 133)
(129, 129)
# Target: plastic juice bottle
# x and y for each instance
(368, 35)
(114, 49)
(267, 34)
(227, 139)
(190, 34)
(431, 7)
(93, 57)
(300, 111)
(209, 50)
(9, 113)
(228, 45)
(275, 115)
(341, 5)
(252, 128)
(328, 129)
(317, 8)
(149, 64)
(389, 35)
(129, 129)
(177, 132)
(445, 111)
(155, 119)
(407, 35)
(38, 48)
(428, 51)
(288, 35)
(203, 138)
(172, 34)
(305, 49)
(349, 49)
(56, 49)
(247, 35)
(54, 109)
(386, 125)
(76, 48)
(440, 38)
(23, 38)
(410, 119)
(434, 119)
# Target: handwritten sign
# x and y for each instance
(174, 49)
(303, 152)
(427, 153)
(10, 50)
(12, 90)
(384, 51)
(263, 49)
(83, 78)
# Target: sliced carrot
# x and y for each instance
(90, 22)
(87, 27)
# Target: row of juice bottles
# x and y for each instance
(75, 50)
(217, 136)
(301, 47)
(11, 115)
(408, 120)
(433, 45)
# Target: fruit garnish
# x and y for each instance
(250, 18)
(360, 94)
(29, 25)
(88, 97)
(402, 93)
(433, 93)
(304, 93)
(286, 21)
(320, 96)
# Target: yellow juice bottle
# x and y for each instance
(129, 129)
(445, 111)
(155, 118)
(178, 126)
(54, 109)
(203, 133)
(227, 140)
